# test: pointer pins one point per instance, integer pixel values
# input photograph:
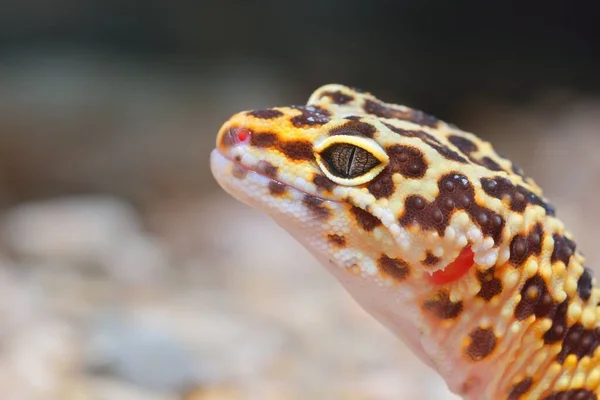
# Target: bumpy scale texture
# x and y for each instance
(435, 234)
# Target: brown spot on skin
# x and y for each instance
(311, 116)
(229, 138)
(490, 164)
(393, 267)
(365, 220)
(276, 188)
(558, 330)
(483, 342)
(519, 389)
(315, 205)
(579, 341)
(338, 97)
(463, 144)
(517, 196)
(455, 193)
(267, 169)
(406, 160)
(431, 141)
(424, 136)
(269, 113)
(354, 128)
(517, 170)
(584, 284)
(263, 139)
(521, 247)
(490, 285)
(572, 394)
(442, 307)
(336, 240)
(535, 300)
(384, 111)
(448, 153)
(298, 149)
(564, 248)
(323, 182)
(430, 259)
(238, 171)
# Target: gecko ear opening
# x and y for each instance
(350, 160)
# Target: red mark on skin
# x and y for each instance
(243, 135)
(455, 270)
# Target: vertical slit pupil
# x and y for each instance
(348, 161)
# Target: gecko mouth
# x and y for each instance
(262, 169)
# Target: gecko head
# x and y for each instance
(380, 190)
(410, 214)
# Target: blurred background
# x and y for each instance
(126, 273)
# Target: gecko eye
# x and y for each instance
(350, 160)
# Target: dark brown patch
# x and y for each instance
(424, 136)
(558, 330)
(490, 164)
(268, 113)
(455, 193)
(354, 128)
(483, 342)
(393, 267)
(406, 160)
(365, 220)
(490, 285)
(535, 300)
(584, 284)
(572, 394)
(463, 144)
(267, 169)
(442, 307)
(517, 170)
(298, 149)
(384, 111)
(323, 182)
(518, 197)
(448, 153)
(431, 141)
(564, 248)
(315, 205)
(521, 246)
(311, 116)
(336, 240)
(263, 139)
(238, 171)
(276, 188)
(430, 259)
(579, 341)
(519, 389)
(229, 138)
(338, 97)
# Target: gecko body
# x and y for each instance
(440, 238)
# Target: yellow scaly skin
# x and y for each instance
(384, 196)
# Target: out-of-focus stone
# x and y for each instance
(139, 353)
(40, 354)
(84, 231)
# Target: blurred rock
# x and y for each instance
(40, 355)
(94, 231)
(140, 354)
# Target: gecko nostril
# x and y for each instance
(242, 134)
(236, 136)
